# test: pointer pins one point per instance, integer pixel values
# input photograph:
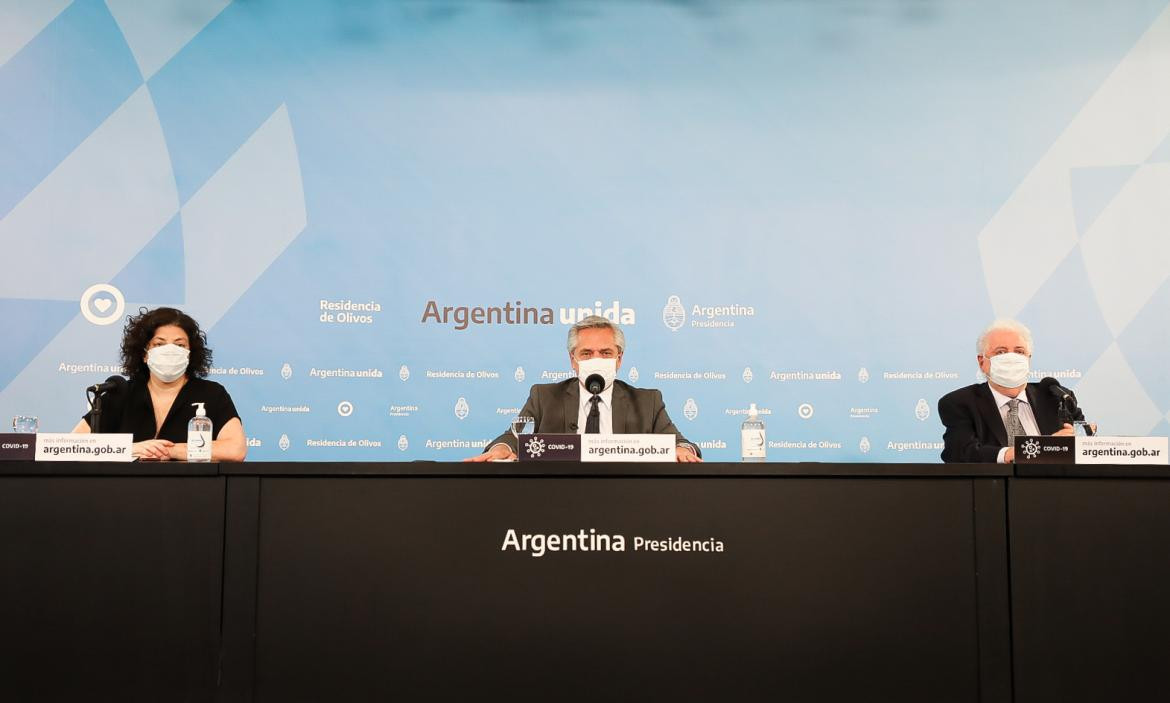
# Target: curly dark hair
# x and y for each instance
(140, 330)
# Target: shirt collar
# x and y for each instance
(1002, 400)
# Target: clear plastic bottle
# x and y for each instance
(199, 436)
(753, 439)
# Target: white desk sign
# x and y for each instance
(63, 446)
(628, 447)
(1121, 450)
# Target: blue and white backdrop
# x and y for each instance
(813, 206)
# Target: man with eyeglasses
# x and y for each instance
(595, 347)
(983, 420)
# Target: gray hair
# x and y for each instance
(596, 322)
(1000, 325)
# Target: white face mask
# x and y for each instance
(1009, 370)
(606, 368)
(167, 362)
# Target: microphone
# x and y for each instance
(572, 427)
(113, 383)
(1068, 401)
(1053, 386)
(594, 383)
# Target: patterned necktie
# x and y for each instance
(1015, 428)
(593, 420)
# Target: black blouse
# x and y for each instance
(132, 410)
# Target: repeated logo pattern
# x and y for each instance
(120, 193)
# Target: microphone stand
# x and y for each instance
(95, 415)
(1068, 414)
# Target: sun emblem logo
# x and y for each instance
(534, 447)
(633, 374)
(286, 371)
(1031, 448)
(747, 374)
(922, 409)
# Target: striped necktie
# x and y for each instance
(1015, 428)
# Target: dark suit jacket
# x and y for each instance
(975, 430)
(554, 406)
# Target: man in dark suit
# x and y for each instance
(595, 345)
(982, 420)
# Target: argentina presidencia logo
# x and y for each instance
(674, 315)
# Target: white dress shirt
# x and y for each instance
(604, 408)
(1027, 419)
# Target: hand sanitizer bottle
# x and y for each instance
(753, 440)
(199, 436)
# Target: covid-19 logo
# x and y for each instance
(1031, 448)
(534, 447)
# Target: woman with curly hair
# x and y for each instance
(165, 354)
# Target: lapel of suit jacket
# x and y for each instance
(1046, 416)
(985, 403)
(622, 398)
(572, 405)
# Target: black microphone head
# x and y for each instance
(572, 427)
(594, 383)
(113, 384)
(1053, 386)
